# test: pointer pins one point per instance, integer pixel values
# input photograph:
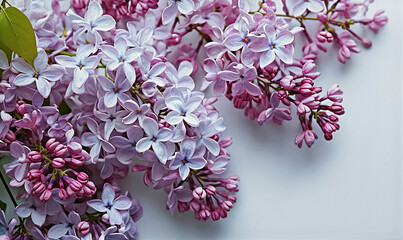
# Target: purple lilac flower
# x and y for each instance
(274, 113)
(110, 204)
(81, 64)
(175, 6)
(208, 128)
(116, 90)
(34, 208)
(155, 138)
(178, 194)
(41, 75)
(182, 110)
(274, 45)
(67, 225)
(126, 147)
(243, 76)
(186, 160)
(135, 111)
(111, 233)
(300, 6)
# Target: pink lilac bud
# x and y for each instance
(225, 142)
(223, 213)
(82, 177)
(63, 194)
(231, 198)
(287, 83)
(58, 162)
(51, 144)
(34, 157)
(60, 150)
(83, 227)
(75, 185)
(39, 187)
(195, 206)
(199, 193)
(333, 118)
(306, 89)
(20, 108)
(105, 218)
(182, 207)
(226, 205)
(10, 137)
(174, 39)
(204, 214)
(325, 37)
(322, 17)
(34, 173)
(46, 195)
(337, 108)
(215, 215)
(366, 42)
(89, 188)
(211, 190)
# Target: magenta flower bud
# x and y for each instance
(199, 193)
(215, 137)
(333, 118)
(82, 177)
(34, 156)
(366, 42)
(58, 163)
(46, 195)
(75, 185)
(226, 205)
(195, 206)
(337, 108)
(10, 137)
(223, 213)
(182, 207)
(20, 107)
(204, 214)
(174, 39)
(89, 188)
(215, 216)
(60, 150)
(52, 145)
(211, 190)
(39, 187)
(231, 198)
(33, 173)
(226, 142)
(83, 227)
(322, 17)
(63, 194)
(105, 218)
(328, 136)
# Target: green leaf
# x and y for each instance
(3, 205)
(64, 108)
(17, 34)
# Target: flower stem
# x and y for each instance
(8, 189)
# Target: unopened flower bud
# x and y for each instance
(215, 216)
(33, 173)
(34, 156)
(211, 190)
(39, 187)
(199, 193)
(82, 177)
(182, 207)
(83, 227)
(10, 137)
(195, 206)
(63, 194)
(58, 162)
(366, 42)
(60, 150)
(46, 195)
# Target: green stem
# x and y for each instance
(8, 189)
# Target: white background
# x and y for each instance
(349, 188)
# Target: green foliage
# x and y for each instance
(17, 34)
(3, 205)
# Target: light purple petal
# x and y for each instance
(160, 151)
(105, 23)
(97, 204)
(184, 171)
(143, 144)
(23, 80)
(108, 193)
(57, 231)
(211, 145)
(122, 203)
(196, 163)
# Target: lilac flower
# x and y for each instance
(81, 63)
(5, 123)
(308, 135)
(214, 19)
(135, 111)
(95, 139)
(126, 147)
(242, 75)
(208, 128)
(175, 6)
(3, 60)
(243, 39)
(185, 159)
(121, 56)
(67, 225)
(92, 22)
(111, 118)
(115, 90)
(155, 138)
(182, 110)
(274, 113)
(178, 194)
(110, 205)
(34, 208)
(180, 78)
(152, 73)
(274, 45)
(42, 74)
(300, 6)
(111, 233)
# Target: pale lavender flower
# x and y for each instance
(155, 138)
(111, 118)
(135, 111)
(5, 122)
(308, 135)
(274, 45)
(186, 160)
(96, 139)
(182, 110)
(115, 90)
(174, 7)
(3, 60)
(111, 233)
(214, 19)
(67, 225)
(274, 113)
(34, 208)
(180, 78)
(41, 75)
(126, 147)
(151, 74)
(243, 76)
(178, 194)
(119, 55)
(92, 22)
(208, 128)
(300, 6)
(81, 64)
(110, 205)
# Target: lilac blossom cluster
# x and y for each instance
(251, 54)
(96, 98)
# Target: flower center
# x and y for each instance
(272, 46)
(80, 66)
(154, 139)
(36, 75)
(185, 160)
(183, 114)
(115, 89)
(246, 40)
(138, 111)
(121, 60)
